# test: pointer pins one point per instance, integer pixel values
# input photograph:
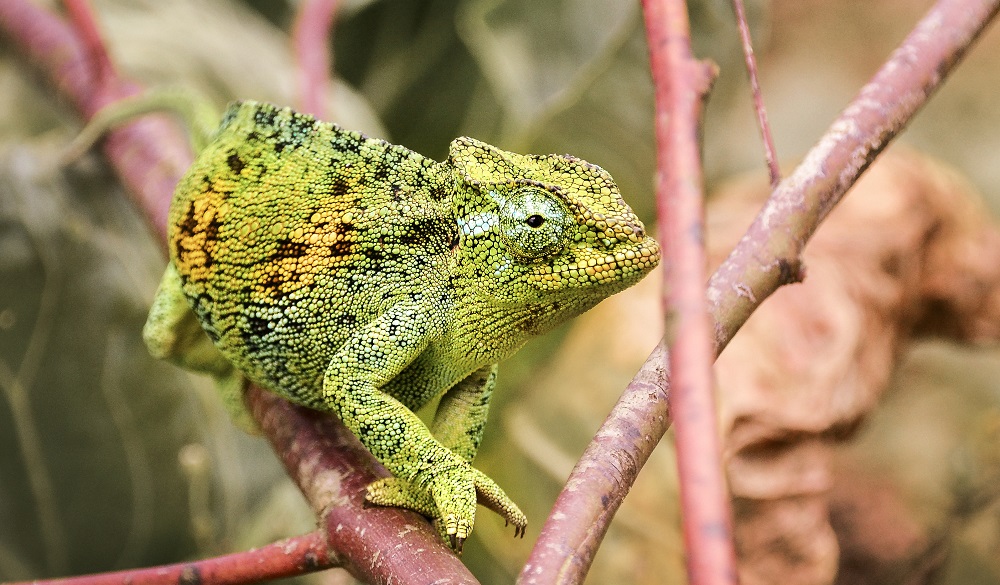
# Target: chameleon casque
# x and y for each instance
(355, 276)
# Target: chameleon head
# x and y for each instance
(542, 229)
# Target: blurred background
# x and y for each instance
(110, 460)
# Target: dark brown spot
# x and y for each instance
(420, 231)
(211, 236)
(381, 172)
(790, 272)
(310, 562)
(341, 248)
(272, 284)
(258, 326)
(265, 115)
(235, 163)
(189, 226)
(346, 320)
(373, 254)
(339, 186)
(437, 193)
(289, 249)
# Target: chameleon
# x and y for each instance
(354, 276)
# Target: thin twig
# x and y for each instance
(312, 34)
(759, 265)
(770, 153)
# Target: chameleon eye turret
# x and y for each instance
(534, 223)
(354, 276)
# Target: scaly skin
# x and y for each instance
(351, 275)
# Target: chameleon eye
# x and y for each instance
(533, 223)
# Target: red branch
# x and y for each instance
(311, 38)
(82, 19)
(332, 468)
(285, 558)
(770, 154)
(765, 259)
(681, 84)
(149, 154)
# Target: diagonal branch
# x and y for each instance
(766, 258)
(768, 255)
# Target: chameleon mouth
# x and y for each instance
(619, 268)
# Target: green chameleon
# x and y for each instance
(354, 276)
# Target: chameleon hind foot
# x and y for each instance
(489, 494)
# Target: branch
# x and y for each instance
(766, 258)
(312, 34)
(768, 255)
(149, 156)
(332, 468)
(286, 558)
(770, 154)
(681, 84)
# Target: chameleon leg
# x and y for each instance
(173, 333)
(458, 425)
(375, 355)
(461, 414)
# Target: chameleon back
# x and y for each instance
(289, 233)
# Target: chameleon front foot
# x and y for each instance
(399, 493)
(450, 502)
(457, 503)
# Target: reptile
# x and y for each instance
(354, 276)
